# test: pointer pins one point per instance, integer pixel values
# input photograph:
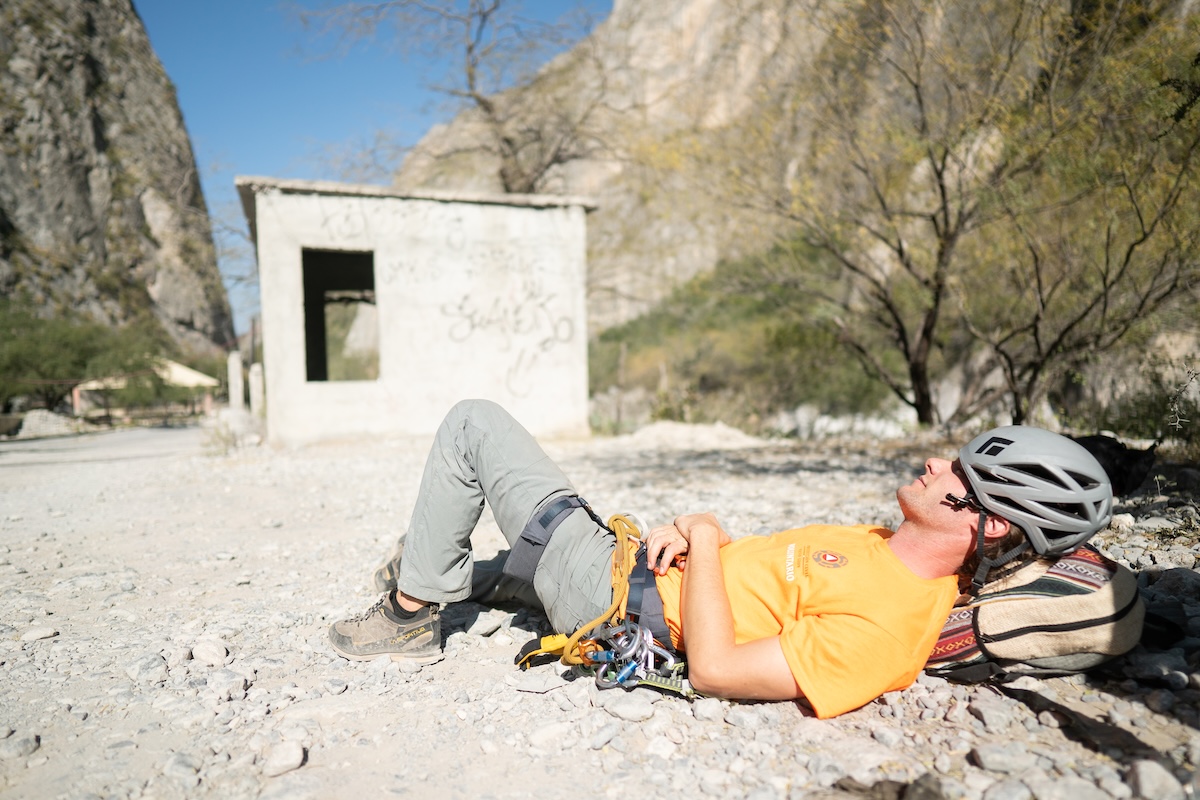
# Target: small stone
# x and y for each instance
(1151, 780)
(662, 747)
(148, 668)
(1008, 790)
(714, 782)
(1067, 788)
(484, 625)
(1152, 666)
(408, 666)
(1122, 523)
(740, 716)
(336, 686)
(553, 736)
(631, 708)
(604, 735)
(34, 634)
(708, 709)
(1160, 701)
(283, 757)
(210, 653)
(828, 768)
(994, 715)
(182, 765)
(1180, 583)
(19, 745)
(194, 716)
(1048, 719)
(888, 737)
(227, 684)
(537, 682)
(1009, 757)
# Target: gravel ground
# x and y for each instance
(164, 606)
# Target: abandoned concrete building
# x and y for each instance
(381, 309)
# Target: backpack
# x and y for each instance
(1043, 618)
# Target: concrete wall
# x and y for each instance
(474, 299)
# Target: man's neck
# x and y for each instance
(928, 555)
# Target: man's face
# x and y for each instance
(924, 500)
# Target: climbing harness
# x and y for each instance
(527, 551)
(630, 645)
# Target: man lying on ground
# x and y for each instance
(836, 615)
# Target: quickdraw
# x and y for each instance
(627, 655)
(624, 653)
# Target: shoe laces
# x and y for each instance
(370, 612)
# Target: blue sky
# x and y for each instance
(261, 97)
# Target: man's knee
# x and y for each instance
(473, 405)
(481, 412)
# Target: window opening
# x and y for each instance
(341, 320)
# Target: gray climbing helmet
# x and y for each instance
(1047, 484)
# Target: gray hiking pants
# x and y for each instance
(482, 454)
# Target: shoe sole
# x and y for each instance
(414, 658)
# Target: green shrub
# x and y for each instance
(712, 350)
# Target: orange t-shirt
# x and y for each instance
(853, 620)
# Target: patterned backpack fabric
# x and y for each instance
(1044, 618)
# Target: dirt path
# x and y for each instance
(163, 615)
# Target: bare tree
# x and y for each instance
(955, 161)
(489, 59)
(1122, 243)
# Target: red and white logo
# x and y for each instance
(828, 558)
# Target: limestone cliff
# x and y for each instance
(100, 205)
(650, 83)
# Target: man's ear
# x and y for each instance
(996, 528)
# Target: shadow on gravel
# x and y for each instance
(1102, 737)
(755, 464)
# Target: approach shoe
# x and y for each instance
(379, 631)
(387, 575)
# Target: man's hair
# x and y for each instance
(994, 549)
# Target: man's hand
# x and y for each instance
(669, 543)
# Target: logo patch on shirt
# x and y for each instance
(828, 558)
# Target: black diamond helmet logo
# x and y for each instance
(994, 446)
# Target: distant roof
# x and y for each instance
(249, 186)
(172, 373)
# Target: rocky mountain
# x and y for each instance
(697, 125)
(101, 210)
(646, 91)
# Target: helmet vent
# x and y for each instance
(1039, 472)
(1073, 509)
(989, 476)
(1085, 481)
(1006, 502)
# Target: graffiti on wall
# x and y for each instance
(524, 325)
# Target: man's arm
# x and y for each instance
(717, 665)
